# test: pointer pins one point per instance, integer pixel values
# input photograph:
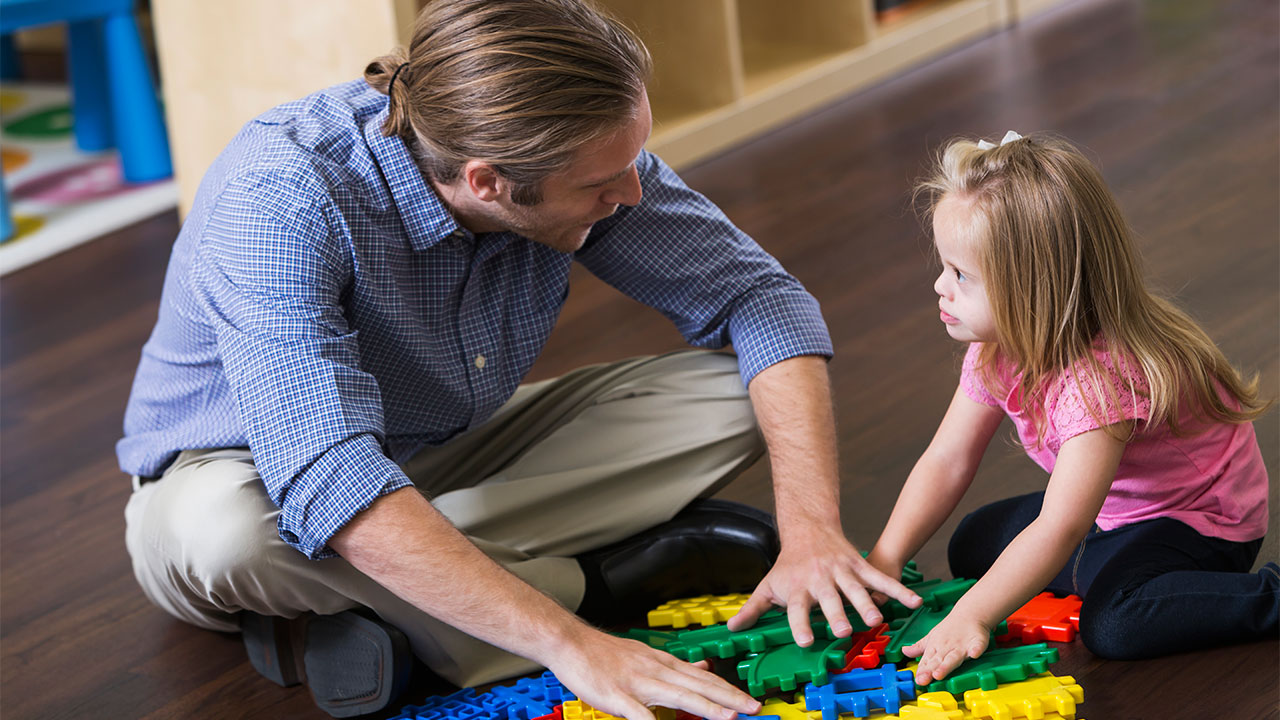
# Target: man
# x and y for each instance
(327, 422)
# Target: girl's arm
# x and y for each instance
(1085, 468)
(937, 482)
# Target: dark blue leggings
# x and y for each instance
(1150, 589)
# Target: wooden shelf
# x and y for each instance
(786, 84)
(724, 70)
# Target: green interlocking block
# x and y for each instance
(1002, 665)
(938, 601)
(653, 638)
(910, 574)
(785, 666)
(718, 642)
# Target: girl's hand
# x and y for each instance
(954, 640)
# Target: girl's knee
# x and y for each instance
(1108, 631)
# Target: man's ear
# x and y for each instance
(483, 180)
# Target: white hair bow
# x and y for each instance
(1008, 138)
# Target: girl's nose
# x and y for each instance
(940, 285)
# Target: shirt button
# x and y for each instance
(480, 361)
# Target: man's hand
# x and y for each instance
(625, 678)
(821, 566)
(893, 568)
(955, 639)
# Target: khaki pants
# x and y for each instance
(567, 465)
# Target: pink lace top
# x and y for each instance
(1215, 480)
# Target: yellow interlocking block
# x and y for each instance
(788, 711)
(1032, 699)
(703, 610)
(578, 710)
(940, 704)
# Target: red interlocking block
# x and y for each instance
(1045, 617)
(867, 648)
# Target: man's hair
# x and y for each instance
(1063, 274)
(519, 84)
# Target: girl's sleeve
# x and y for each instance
(971, 380)
(1076, 408)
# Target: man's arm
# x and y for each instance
(406, 545)
(818, 564)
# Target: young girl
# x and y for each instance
(1156, 503)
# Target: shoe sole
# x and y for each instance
(268, 642)
(354, 665)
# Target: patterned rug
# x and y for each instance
(59, 196)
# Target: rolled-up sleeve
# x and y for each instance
(678, 253)
(269, 274)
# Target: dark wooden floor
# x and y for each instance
(1178, 101)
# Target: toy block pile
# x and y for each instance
(862, 676)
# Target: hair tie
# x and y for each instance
(394, 75)
(1008, 138)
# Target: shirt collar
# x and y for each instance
(426, 220)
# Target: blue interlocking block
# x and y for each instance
(529, 698)
(856, 692)
(462, 705)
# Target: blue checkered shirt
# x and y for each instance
(323, 308)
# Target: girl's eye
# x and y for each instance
(959, 276)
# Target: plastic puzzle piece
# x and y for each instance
(529, 698)
(1004, 665)
(934, 706)
(653, 638)
(718, 641)
(938, 602)
(462, 705)
(910, 574)
(930, 591)
(1045, 617)
(785, 666)
(702, 610)
(866, 648)
(944, 593)
(1030, 699)
(578, 710)
(858, 691)
(780, 709)
(915, 712)
(556, 714)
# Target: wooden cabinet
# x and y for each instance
(725, 70)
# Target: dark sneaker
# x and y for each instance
(352, 663)
(711, 547)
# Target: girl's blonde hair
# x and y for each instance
(521, 84)
(1062, 273)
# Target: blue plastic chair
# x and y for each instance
(6, 220)
(113, 95)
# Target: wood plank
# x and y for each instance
(1179, 103)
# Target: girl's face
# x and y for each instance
(962, 298)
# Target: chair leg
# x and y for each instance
(135, 110)
(89, 102)
(6, 219)
(9, 65)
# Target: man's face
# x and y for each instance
(601, 177)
